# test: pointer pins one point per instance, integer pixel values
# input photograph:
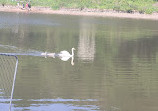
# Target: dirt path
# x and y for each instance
(85, 12)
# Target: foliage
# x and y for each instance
(129, 6)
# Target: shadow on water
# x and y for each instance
(143, 49)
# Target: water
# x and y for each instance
(115, 62)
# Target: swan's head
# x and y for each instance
(73, 49)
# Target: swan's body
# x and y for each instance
(66, 53)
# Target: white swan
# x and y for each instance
(65, 53)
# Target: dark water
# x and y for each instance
(115, 63)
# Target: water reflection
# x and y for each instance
(18, 19)
(137, 66)
(59, 105)
(116, 69)
(86, 44)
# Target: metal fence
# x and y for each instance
(8, 69)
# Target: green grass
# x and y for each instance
(129, 6)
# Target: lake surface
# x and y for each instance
(115, 63)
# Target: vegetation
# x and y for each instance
(129, 6)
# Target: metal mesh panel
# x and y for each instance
(8, 68)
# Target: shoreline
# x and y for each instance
(77, 12)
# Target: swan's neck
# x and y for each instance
(72, 52)
(72, 61)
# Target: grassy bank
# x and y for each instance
(129, 6)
